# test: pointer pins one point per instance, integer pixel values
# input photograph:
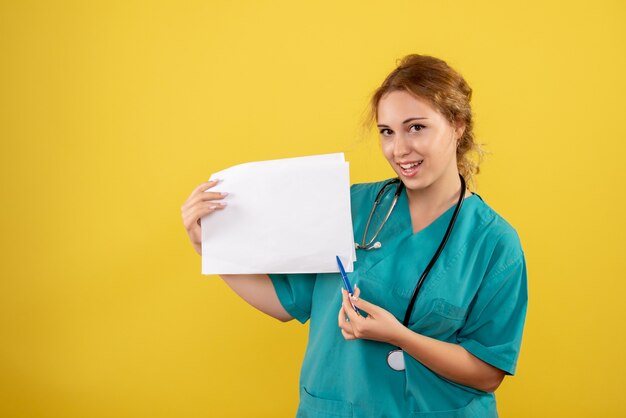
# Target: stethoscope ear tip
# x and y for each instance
(374, 246)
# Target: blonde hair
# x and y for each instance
(433, 79)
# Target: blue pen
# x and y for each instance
(346, 283)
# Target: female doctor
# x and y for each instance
(442, 290)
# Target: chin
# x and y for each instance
(415, 183)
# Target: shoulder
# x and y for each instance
(375, 186)
(496, 236)
(366, 191)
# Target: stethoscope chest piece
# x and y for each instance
(395, 360)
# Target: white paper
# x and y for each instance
(282, 216)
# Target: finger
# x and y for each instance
(347, 299)
(203, 186)
(194, 216)
(357, 292)
(344, 325)
(209, 210)
(341, 318)
(368, 307)
(347, 336)
(193, 210)
(202, 209)
(350, 312)
(203, 197)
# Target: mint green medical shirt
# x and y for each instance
(475, 296)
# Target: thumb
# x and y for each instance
(368, 307)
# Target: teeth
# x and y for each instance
(407, 166)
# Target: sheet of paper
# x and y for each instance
(283, 216)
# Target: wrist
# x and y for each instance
(400, 336)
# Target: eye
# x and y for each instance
(386, 132)
(416, 127)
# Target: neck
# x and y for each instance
(436, 198)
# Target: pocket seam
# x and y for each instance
(329, 407)
(468, 410)
(448, 310)
(441, 309)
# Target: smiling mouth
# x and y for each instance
(410, 169)
(410, 165)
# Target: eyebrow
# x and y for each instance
(403, 122)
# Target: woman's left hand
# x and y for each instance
(379, 325)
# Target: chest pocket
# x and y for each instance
(434, 314)
(442, 320)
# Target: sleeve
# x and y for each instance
(494, 325)
(295, 293)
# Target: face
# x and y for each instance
(418, 142)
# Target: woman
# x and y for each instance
(444, 294)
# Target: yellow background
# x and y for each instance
(112, 112)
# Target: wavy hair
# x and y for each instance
(433, 79)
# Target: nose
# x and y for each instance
(401, 146)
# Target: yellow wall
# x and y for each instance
(112, 112)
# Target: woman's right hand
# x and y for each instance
(198, 204)
(256, 289)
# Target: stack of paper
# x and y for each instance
(282, 216)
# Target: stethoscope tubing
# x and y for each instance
(433, 260)
(370, 244)
(395, 358)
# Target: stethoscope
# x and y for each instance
(395, 358)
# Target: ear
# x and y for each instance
(459, 129)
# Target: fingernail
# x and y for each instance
(216, 180)
(223, 203)
(224, 193)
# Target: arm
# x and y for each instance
(256, 289)
(449, 360)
